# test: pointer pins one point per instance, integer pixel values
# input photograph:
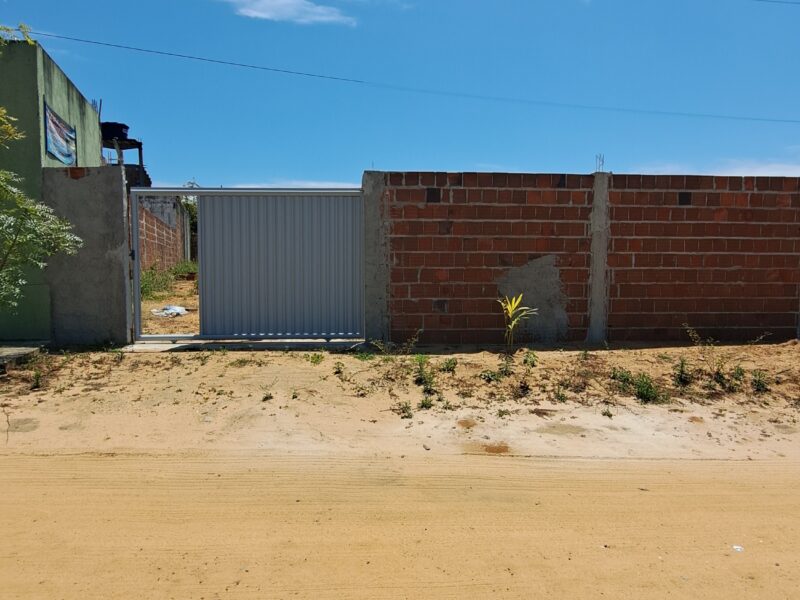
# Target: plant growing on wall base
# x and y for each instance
(514, 313)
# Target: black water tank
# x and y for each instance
(111, 130)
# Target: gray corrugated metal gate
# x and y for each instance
(280, 263)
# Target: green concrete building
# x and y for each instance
(45, 103)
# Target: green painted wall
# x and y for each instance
(29, 77)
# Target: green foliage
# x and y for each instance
(607, 413)
(426, 403)
(530, 359)
(36, 383)
(506, 368)
(315, 358)
(514, 313)
(364, 356)
(682, 375)
(338, 369)
(503, 413)
(622, 376)
(449, 365)
(30, 232)
(646, 390)
(759, 382)
(155, 283)
(640, 385)
(424, 375)
(184, 268)
(559, 395)
(489, 376)
(403, 410)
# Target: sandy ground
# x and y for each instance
(183, 294)
(288, 475)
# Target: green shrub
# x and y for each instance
(490, 376)
(184, 268)
(646, 390)
(449, 365)
(759, 382)
(530, 360)
(426, 403)
(683, 375)
(559, 395)
(155, 282)
(622, 376)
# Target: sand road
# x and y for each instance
(249, 525)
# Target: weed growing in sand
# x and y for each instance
(36, 382)
(759, 382)
(506, 368)
(364, 356)
(314, 358)
(646, 390)
(607, 413)
(240, 363)
(522, 389)
(622, 376)
(426, 403)
(530, 359)
(117, 354)
(424, 375)
(503, 413)
(489, 376)
(584, 355)
(559, 395)
(267, 397)
(682, 375)
(338, 369)
(449, 365)
(403, 410)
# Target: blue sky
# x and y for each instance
(230, 126)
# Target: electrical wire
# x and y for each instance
(432, 92)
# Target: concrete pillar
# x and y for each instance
(376, 257)
(90, 291)
(600, 224)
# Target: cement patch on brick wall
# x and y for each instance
(540, 283)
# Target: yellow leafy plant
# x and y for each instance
(514, 313)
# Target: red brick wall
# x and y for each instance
(160, 245)
(727, 263)
(453, 235)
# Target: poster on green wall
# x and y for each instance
(61, 139)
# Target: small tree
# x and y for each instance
(514, 313)
(30, 232)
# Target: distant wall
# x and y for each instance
(90, 291)
(163, 227)
(719, 253)
(69, 103)
(616, 257)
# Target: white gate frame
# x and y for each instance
(137, 193)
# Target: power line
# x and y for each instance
(795, 2)
(432, 92)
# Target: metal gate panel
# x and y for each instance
(281, 264)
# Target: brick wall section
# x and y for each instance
(719, 253)
(453, 235)
(160, 245)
